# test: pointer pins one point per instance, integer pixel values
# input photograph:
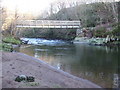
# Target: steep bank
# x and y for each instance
(14, 64)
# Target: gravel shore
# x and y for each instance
(46, 76)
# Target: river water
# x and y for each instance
(98, 64)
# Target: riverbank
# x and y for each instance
(97, 41)
(14, 64)
(9, 42)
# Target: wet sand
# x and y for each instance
(46, 76)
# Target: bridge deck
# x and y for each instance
(47, 24)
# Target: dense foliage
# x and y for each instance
(116, 31)
(63, 34)
(90, 15)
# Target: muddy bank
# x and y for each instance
(14, 64)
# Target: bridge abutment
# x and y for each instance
(78, 32)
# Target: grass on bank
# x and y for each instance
(8, 42)
(6, 47)
(11, 40)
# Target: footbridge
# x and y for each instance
(47, 24)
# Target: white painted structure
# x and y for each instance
(47, 24)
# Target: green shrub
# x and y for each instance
(116, 31)
(100, 33)
(6, 47)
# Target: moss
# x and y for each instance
(11, 40)
(56, 86)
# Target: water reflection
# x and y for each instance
(96, 63)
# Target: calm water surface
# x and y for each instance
(98, 64)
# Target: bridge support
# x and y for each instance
(78, 32)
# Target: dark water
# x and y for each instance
(98, 64)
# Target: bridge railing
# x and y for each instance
(47, 23)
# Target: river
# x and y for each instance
(98, 64)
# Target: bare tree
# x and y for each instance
(61, 5)
(16, 16)
(115, 9)
(9, 21)
(51, 8)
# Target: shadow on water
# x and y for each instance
(98, 64)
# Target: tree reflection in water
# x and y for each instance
(96, 63)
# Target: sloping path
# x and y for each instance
(14, 64)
